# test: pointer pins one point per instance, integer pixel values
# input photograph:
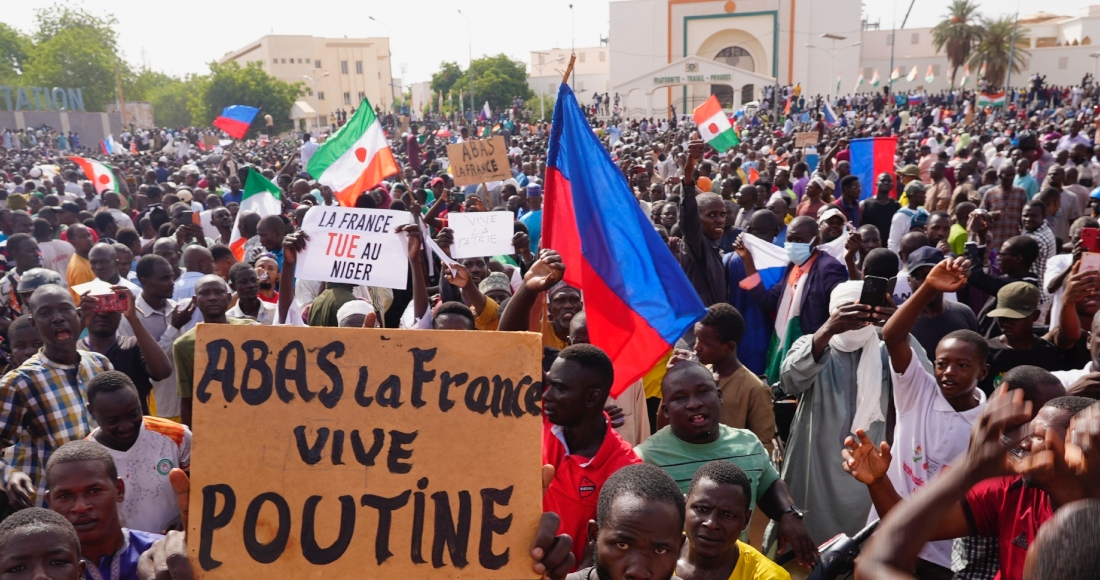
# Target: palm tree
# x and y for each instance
(994, 49)
(958, 32)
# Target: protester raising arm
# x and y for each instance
(544, 273)
(690, 223)
(1078, 287)
(416, 263)
(293, 243)
(937, 512)
(948, 276)
(432, 217)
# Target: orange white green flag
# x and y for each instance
(355, 158)
(98, 173)
(714, 126)
(258, 195)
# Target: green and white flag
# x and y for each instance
(714, 126)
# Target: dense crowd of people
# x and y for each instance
(922, 353)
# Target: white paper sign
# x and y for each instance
(481, 233)
(355, 246)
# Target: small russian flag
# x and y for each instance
(870, 157)
(486, 112)
(235, 120)
(770, 260)
(830, 116)
(914, 100)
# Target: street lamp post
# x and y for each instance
(389, 59)
(542, 103)
(470, 33)
(834, 50)
(316, 112)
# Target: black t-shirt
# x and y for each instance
(879, 215)
(930, 330)
(126, 357)
(1043, 354)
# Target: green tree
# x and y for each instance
(498, 79)
(533, 109)
(14, 48)
(994, 49)
(957, 33)
(229, 84)
(74, 48)
(444, 80)
(76, 57)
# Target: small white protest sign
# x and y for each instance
(355, 246)
(481, 233)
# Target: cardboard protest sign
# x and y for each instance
(805, 139)
(481, 233)
(364, 453)
(479, 161)
(355, 246)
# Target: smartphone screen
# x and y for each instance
(1090, 262)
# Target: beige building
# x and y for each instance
(338, 73)
(591, 72)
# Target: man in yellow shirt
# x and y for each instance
(80, 269)
(717, 512)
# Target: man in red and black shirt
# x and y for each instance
(578, 440)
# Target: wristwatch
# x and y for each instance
(792, 509)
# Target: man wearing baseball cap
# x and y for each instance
(1016, 312)
(943, 314)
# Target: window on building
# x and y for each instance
(1063, 62)
(603, 56)
(542, 59)
(736, 56)
(914, 38)
(284, 61)
(344, 67)
(347, 98)
(580, 57)
(274, 61)
(309, 92)
(358, 67)
(299, 61)
(362, 96)
(316, 64)
(889, 40)
(320, 95)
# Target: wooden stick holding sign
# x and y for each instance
(365, 453)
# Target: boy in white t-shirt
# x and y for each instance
(145, 450)
(935, 414)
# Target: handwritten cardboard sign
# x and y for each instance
(355, 246)
(364, 453)
(479, 161)
(481, 233)
(805, 139)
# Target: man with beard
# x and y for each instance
(831, 221)
(578, 439)
(692, 404)
(638, 530)
(718, 508)
(42, 402)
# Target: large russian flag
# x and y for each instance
(638, 300)
(870, 157)
(235, 120)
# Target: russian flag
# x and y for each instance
(870, 157)
(638, 300)
(914, 100)
(105, 145)
(485, 112)
(235, 120)
(830, 115)
(770, 260)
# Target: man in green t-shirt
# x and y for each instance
(694, 436)
(212, 300)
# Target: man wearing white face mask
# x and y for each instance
(799, 303)
(841, 377)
